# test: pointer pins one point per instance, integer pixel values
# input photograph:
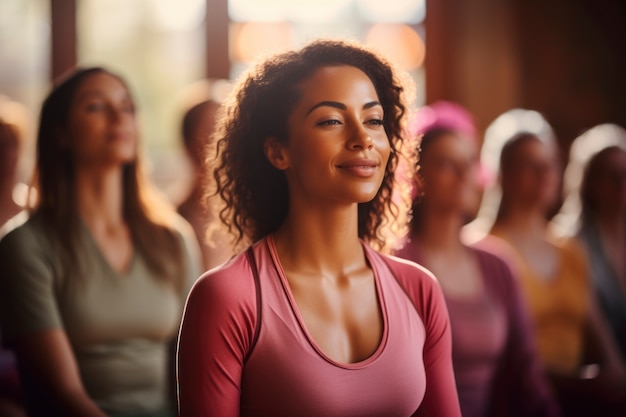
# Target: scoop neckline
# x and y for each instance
(271, 245)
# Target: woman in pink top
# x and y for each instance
(310, 321)
(496, 368)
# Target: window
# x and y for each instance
(24, 79)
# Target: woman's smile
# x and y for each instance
(360, 167)
(337, 149)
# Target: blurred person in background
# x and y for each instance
(13, 193)
(497, 370)
(595, 211)
(93, 282)
(10, 147)
(573, 340)
(198, 125)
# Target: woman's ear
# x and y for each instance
(276, 153)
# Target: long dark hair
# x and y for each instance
(594, 166)
(427, 138)
(254, 194)
(146, 215)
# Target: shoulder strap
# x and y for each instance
(400, 283)
(257, 286)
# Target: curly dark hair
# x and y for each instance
(254, 194)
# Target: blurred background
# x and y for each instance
(564, 58)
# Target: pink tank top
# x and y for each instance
(244, 349)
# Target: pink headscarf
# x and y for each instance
(451, 116)
(446, 115)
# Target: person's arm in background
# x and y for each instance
(47, 359)
(600, 381)
(33, 327)
(609, 376)
(603, 372)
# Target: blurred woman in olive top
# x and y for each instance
(496, 367)
(93, 283)
(573, 339)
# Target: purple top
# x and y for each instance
(496, 368)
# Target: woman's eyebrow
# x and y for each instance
(334, 104)
(371, 104)
(89, 94)
(341, 106)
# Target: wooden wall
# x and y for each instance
(564, 58)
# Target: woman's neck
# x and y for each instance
(522, 224)
(439, 231)
(441, 250)
(193, 201)
(99, 195)
(320, 241)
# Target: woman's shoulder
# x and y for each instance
(499, 267)
(415, 279)
(224, 298)
(497, 258)
(408, 267)
(570, 245)
(422, 289)
(24, 232)
(573, 257)
(230, 282)
(13, 223)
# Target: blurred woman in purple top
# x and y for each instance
(496, 369)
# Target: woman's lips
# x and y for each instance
(360, 167)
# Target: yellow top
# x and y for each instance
(559, 306)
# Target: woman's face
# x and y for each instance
(449, 171)
(532, 177)
(607, 183)
(337, 149)
(102, 129)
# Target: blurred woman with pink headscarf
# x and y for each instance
(497, 371)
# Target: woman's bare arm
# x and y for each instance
(48, 359)
(612, 373)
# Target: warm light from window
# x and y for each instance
(314, 11)
(255, 39)
(179, 14)
(398, 11)
(399, 43)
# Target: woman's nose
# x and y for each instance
(360, 138)
(116, 113)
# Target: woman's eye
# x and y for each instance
(446, 164)
(375, 122)
(329, 122)
(128, 108)
(95, 106)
